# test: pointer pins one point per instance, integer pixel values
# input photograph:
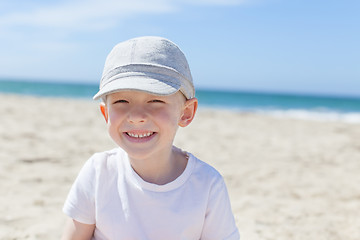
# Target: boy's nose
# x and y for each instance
(137, 115)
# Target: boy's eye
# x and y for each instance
(120, 101)
(156, 101)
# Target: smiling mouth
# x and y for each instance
(143, 135)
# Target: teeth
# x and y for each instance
(140, 136)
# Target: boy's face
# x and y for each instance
(144, 125)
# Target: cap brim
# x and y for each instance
(139, 83)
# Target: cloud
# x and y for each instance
(93, 15)
(47, 37)
(82, 15)
(218, 2)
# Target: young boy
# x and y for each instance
(147, 189)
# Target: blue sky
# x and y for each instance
(301, 46)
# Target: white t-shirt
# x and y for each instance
(110, 194)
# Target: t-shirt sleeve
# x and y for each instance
(80, 204)
(219, 220)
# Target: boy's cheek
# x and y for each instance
(113, 132)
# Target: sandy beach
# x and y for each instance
(288, 179)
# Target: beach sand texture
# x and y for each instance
(287, 178)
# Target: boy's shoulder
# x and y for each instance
(108, 153)
(107, 158)
(204, 170)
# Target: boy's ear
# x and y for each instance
(190, 108)
(104, 111)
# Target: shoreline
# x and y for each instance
(319, 114)
(287, 178)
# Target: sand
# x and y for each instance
(287, 178)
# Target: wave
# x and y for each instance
(333, 116)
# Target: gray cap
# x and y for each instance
(150, 64)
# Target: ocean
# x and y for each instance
(313, 107)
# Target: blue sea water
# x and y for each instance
(300, 106)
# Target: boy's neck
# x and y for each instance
(163, 169)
